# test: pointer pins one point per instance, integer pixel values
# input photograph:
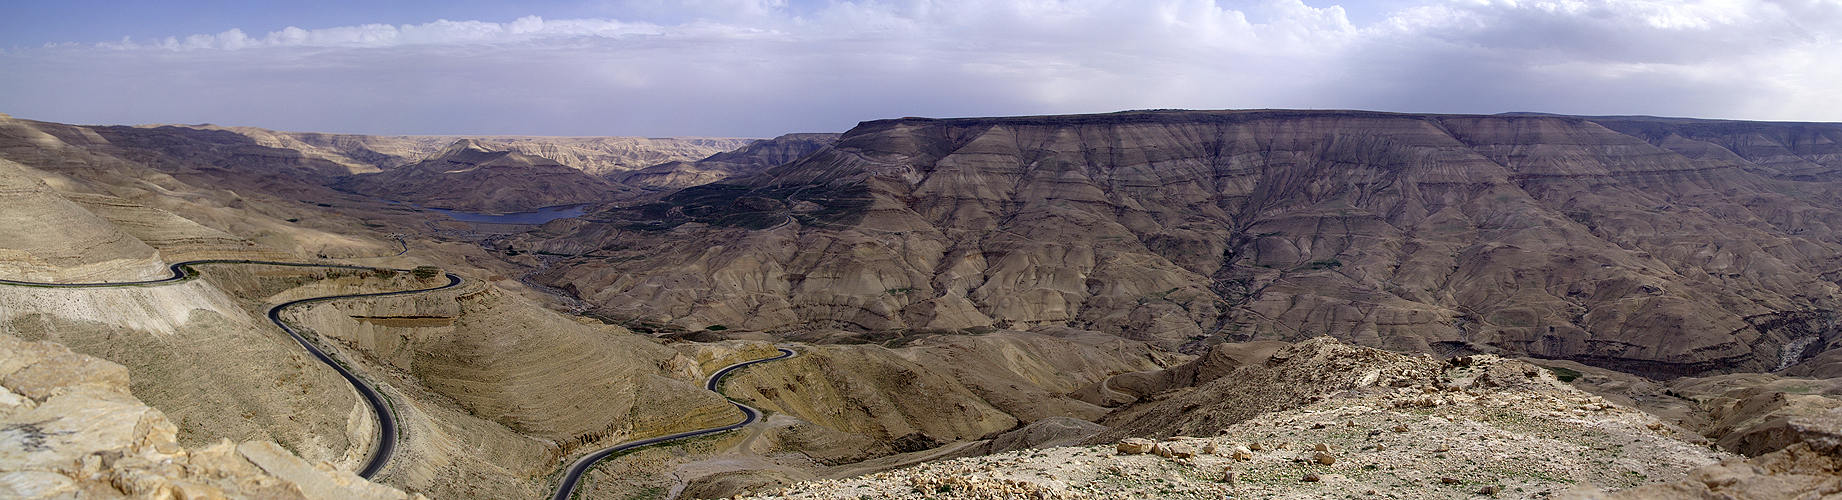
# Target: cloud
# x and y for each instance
(441, 32)
(763, 67)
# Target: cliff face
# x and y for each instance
(70, 429)
(1543, 235)
(747, 160)
(469, 177)
(46, 237)
(599, 156)
(1325, 420)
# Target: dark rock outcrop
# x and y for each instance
(468, 177)
(1548, 236)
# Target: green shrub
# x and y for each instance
(1565, 375)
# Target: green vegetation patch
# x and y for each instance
(1565, 375)
(1318, 265)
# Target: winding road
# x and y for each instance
(567, 486)
(386, 419)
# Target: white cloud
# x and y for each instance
(761, 67)
(440, 32)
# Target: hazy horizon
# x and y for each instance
(760, 68)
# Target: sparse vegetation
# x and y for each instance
(1318, 265)
(1564, 374)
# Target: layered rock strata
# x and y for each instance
(47, 238)
(1541, 235)
(1482, 426)
(469, 177)
(70, 429)
(747, 160)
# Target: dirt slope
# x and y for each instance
(1547, 236)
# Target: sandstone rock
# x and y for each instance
(1292, 376)
(1323, 458)
(1162, 450)
(36, 484)
(1179, 450)
(1135, 446)
(1045, 433)
(314, 482)
(68, 372)
(598, 156)
(90, 433)
(1517, 443)
(1821, 432)
(1797, 471)
(45, 237)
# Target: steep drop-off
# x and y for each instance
(747, 160)
(466, 176)
(598, 156)
(1542, 235)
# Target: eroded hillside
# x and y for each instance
(1549, 236)
(956, 288)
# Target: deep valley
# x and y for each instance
(1142, 304)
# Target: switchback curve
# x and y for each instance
(567, 486)
(386, 418)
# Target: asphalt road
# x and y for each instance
(568, 485)
(386, 419)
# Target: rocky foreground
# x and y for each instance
(70, 429)
(1479, 426)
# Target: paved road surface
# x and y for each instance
(386, 419)
(568, 485)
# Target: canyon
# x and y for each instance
(956, 289)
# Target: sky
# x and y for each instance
(760, 68)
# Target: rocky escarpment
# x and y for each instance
(1808, 468)
(473, 368)
(218, 182)
(1289, 377)
(1549, 236)
(1217, 362)
(865, 401)
(747, 160)
(1479, 426)
(47, 238)
(70, 429)
(598, 156)
(468, 177)
(845, 410)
